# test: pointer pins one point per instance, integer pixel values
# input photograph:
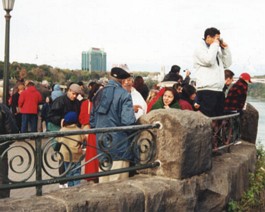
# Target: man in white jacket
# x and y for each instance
(210, 60)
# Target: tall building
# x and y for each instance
(94, 60)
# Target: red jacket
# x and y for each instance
(185, 105)
(29, 100)
(154, 100)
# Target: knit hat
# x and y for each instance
(119, 73)
(70, 117)
(245, 76)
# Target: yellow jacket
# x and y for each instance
(73, 142)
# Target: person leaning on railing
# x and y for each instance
(74, 144)
(237, 95)
(113, 107)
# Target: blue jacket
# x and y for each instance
(56, 92)
(112, 107)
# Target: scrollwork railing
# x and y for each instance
(31, 156)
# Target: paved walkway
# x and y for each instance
(21, 163)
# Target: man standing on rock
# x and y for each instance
(210, 63)
(113, 107)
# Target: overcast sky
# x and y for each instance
(145, 34)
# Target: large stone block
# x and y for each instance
(249, 124)
(183, 145)
(210, 191)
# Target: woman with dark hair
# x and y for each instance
(84, 117)
(168, 100)
(45, 110)
(187, 97)
(141, 87)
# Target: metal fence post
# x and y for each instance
(38, 165)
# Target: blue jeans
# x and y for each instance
(71, 173)
(32, 120)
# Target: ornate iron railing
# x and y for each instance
(32, 154)
(226, 131)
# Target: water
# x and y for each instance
(259, 104)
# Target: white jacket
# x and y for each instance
(210, 75)
(137, 99)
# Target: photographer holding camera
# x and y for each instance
(210, 60)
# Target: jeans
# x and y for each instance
(71, 173)
(55, 145)
(32, 120)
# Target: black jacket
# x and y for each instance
(7, 124)
(60, 107)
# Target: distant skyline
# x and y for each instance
(145, 34)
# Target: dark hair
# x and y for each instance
(175, 69)
(187, 91)
(176, 85)
(80, 83)
(211, 32)
(229, 74)
(138, 82)
(93, 91)
(30, 84)
(174, 92)
(91, 83)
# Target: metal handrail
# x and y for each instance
(226, 131)
(38, 162)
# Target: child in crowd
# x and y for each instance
(72, 154)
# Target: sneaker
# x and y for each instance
(61, 186)
(65, 185)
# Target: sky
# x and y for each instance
(145, 34)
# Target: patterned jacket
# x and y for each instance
(236, 96)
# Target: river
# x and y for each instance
(259, 104)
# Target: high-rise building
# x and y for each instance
(94, 60)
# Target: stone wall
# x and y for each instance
(189, 179)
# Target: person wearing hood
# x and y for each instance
(28, 103)
(168, 100)
(56, 92)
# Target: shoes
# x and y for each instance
(63, 185)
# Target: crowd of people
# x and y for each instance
(123, 100)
